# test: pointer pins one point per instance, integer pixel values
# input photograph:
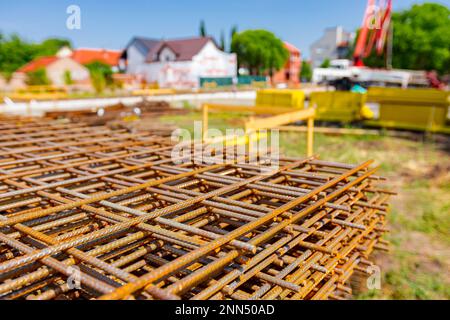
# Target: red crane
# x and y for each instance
(374, 30)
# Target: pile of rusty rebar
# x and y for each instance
(94, 213)
(117, 113)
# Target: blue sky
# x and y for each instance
(112, 23)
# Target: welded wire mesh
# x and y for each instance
(90, 212)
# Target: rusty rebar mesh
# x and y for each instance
(90, 212)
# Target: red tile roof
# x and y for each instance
(38, 63)
(85, 56)
(291, 48)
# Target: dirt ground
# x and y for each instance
(418, 168)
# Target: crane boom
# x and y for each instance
(374, 30)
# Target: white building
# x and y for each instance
(178, 63)
(55, 68)
(334, 44)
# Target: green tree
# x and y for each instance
(203, 32)
(326, 63)
(68, 78)
(101, 75)
(51, 46)
(98, 81)
(306, 72)
(260, 51)
(234, 30)
(16, 52)
(38, 78)
(421, 39)
(222, 41)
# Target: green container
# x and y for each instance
(249, 80)
(218, 82)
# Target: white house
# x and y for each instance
(55, 68)
(178, 63)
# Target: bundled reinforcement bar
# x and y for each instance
(95, 213)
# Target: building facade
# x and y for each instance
(334, 44)
(68, 60)
(290, 74)
(178, 63)
(56, 69)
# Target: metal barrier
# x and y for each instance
(39, 93)
(339, 106)
(281, 98)
(153, 92)
(414, 109)
(282, 116)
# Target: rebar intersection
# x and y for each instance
(95, 213)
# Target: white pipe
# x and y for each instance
(39, 108)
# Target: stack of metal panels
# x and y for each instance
(95, 213)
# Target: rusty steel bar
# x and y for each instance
(134, 222)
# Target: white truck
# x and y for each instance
(341, 71)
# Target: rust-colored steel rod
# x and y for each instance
(140, 223)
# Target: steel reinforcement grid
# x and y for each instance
(95, 213)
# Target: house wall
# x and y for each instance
(290, 74)
(2, 83)
(56, 71)
(209, 62)
(167, 55)
(173, 74)
(135, 59)
(18, 81)
(212, 62)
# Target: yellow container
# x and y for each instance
(339, 106)
(280, 98)
(408, 96)
(415, 109)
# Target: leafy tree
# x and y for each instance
(222, 41)
(98, 81)
(38, 78)
(101, 75)
(234, 30)
(326, 63)
(260, 51)
(203, 29)
(16, 52)
(421, 39)
(51, 46)
(68, 78)
(306, 72)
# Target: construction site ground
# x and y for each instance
(419, 168)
